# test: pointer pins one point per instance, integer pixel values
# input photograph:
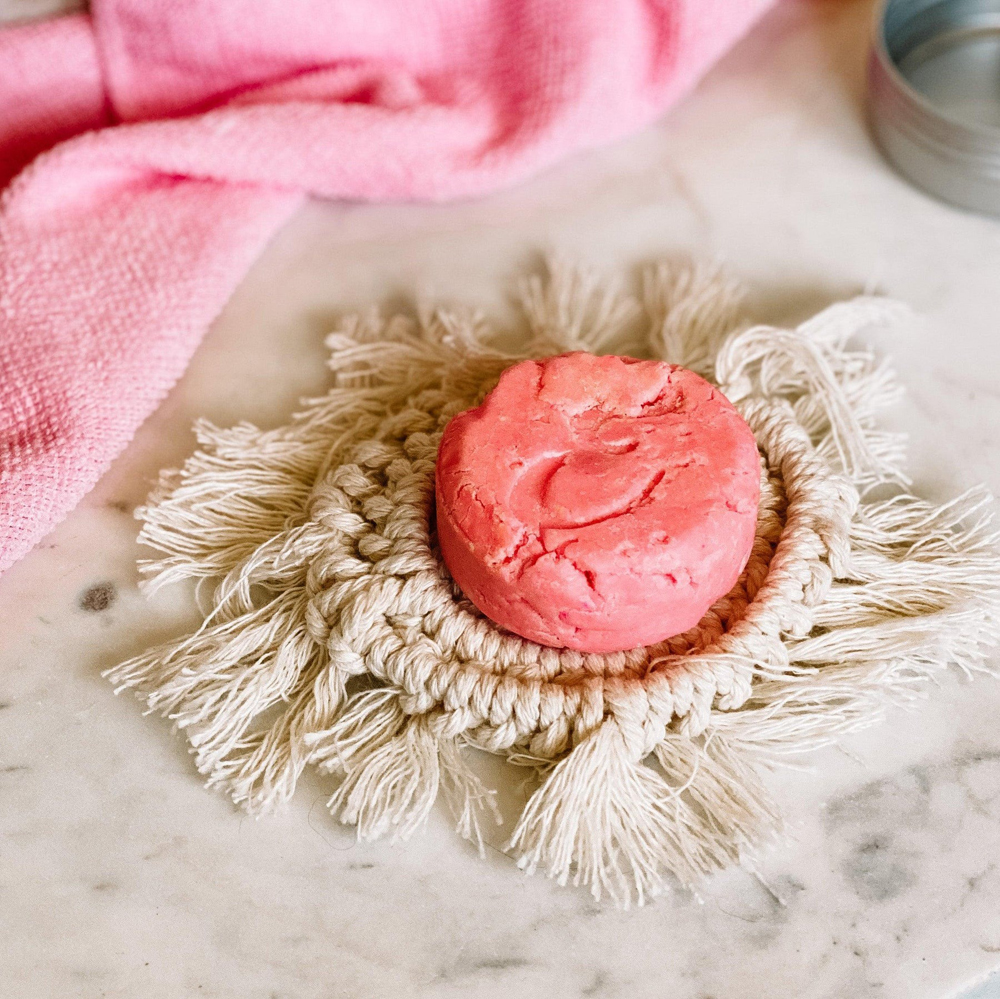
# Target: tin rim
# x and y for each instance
(880, 48)
(952, 158)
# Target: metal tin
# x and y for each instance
(934, 93)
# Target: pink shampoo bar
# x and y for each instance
(597, 503)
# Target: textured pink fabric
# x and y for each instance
(50, 88)
(119, 246)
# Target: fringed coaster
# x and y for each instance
(318, 541)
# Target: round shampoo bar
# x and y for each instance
(597, 503)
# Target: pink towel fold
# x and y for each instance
(190, 130)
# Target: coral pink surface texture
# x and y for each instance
(597, 503)
(151, 148)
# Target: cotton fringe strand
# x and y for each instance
(336, 637)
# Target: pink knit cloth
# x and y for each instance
(190, 130)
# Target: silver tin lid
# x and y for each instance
(934, 93)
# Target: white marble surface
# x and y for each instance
(18, 11)
(121, 877)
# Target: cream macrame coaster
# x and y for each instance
(337, 638)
